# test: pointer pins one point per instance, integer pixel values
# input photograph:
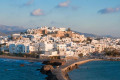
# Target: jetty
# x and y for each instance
(62, 72)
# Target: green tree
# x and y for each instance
(89, 40)
(112, 52)
(68, 29)
(80, 55)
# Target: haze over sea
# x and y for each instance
(97, 70)
(10, 69)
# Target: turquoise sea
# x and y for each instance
(97, 70)
(10, 69)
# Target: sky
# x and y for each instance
(101, 17)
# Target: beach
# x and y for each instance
(22, 58)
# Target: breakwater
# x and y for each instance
(62, 72)
(97, 70)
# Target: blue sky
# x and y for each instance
(100, 17)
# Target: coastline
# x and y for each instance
(62, 72)
(22, 58)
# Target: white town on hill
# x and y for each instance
(52, 41)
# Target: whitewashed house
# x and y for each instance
(46, 48)
(18, 48)
(12, 48)
(61, 48)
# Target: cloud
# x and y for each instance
(64, 4)
(109, 10)
(29, 2)
(37, 12)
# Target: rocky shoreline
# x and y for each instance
(23, 58)
(112, 58)
(61, 72)
(58, 69)
(49, 67)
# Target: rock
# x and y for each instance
(63, 63)
(46, 62)
(54, 62)
(51, 77)
(46, 68)
(21, 65)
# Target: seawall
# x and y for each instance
(62, 72)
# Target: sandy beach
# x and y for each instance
(22, 58)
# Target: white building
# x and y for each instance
(46, 46)
(18, 48)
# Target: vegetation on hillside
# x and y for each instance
(112, 52)
(80, 55)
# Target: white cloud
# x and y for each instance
(64, 4)
(29, 2)
(37, 12)
(109, 10)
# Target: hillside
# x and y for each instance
(6, 30)
(10, 29)
(2, 34)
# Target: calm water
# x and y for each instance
(10, 70)
(97, 70)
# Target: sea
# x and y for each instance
(97, 70)
(11, 69)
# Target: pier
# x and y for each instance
(62, 72)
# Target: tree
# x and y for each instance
(21, 32)
(68, 29)
(112, 52)
(1, 53)
(80, 55)
(89, 39)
